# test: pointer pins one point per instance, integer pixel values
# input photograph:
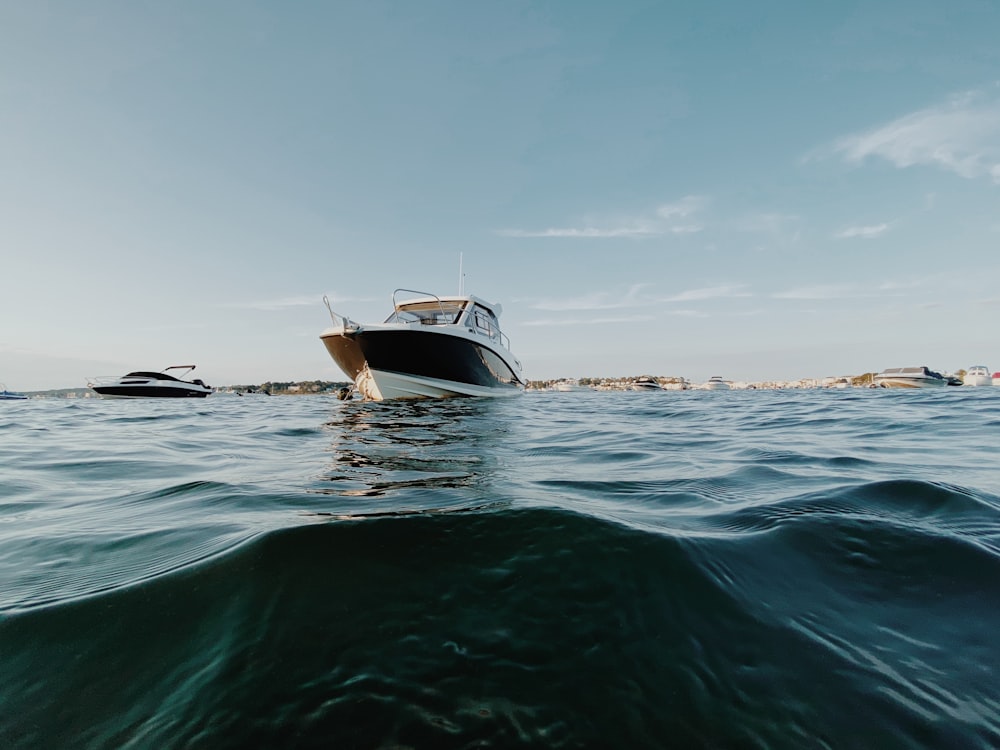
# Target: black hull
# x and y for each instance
(422, 354)
(132, 391)
(436, 355)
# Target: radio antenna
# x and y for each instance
(461, 277)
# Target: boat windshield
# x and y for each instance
(152, 375)
(427, 313)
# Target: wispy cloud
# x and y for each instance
(895, 286)
(782, 228)
(679, 217)
(819, 291)
(632, 297)
(846, 291)
(865, 233)
(639, 295)
(276, 304)
(710, 292)
(589, 321)
(961, 135)
(585, 232)
(285, 303)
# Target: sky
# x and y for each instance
(763, 191)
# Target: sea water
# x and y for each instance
(780, 569)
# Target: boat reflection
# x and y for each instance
(404, 457)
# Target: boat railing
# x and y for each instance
(345, 322)
(396, 304)
(486, 325)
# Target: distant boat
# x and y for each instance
(6, 395)
(429, 347)
(676, 385)
(715, 383)
(143, 384)
(909, 377)
(646, 383)
(569, 385)
(996, 378)
(977, 375)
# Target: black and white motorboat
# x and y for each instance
(646, 383)
(909, 377)
(144, 384)
(429, 347)
(6, 395)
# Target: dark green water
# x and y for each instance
(581, 570)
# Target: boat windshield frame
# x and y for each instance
(429, 309)
(436, 312)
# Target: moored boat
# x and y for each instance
(977, 375)
(6, 395)
(148, 384)
(428, 347)
(715, 383)
(646, 383)
(909, 377)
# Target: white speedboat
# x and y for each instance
(977, 375)
(6, 395)
(571, 384)
(715, 383)
(646, 383)
(144, 384)
(909, 377)
(429, 347)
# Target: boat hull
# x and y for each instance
(388, 363)
(977, 380)
(909, 377)
(127, 391)
(911, 383)
(978, 375)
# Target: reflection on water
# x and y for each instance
(444, 453)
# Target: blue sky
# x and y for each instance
(768, 190)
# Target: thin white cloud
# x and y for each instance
(584, 232)
(688, 313)
(633, 297)
(893, 286)
(276, 304)
(865, 233)
(819, 291)
(782, 228)
(589, 321)
(285, 303)
(846, 291)
(961, 135)
(711, 292)
(637, 296)
(669, 218)
(686, 206)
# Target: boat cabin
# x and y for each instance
(471, 312)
